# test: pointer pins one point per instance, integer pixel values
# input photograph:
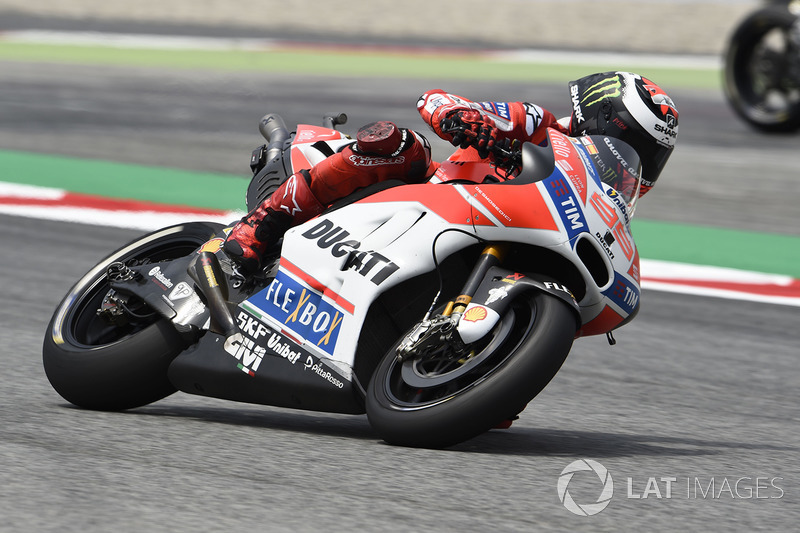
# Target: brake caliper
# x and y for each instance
(114, 308)
(429, 337)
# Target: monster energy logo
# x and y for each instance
(607, 88)
(608, 175)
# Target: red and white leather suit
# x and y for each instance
(514, 120)
(306, 194)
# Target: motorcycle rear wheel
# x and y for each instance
(439, 404)
(762, 71)
(97, 365)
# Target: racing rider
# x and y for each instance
(622, 105)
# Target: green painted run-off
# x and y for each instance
(760, 252)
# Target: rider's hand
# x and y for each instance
(471, 128)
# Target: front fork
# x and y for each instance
(431, 333)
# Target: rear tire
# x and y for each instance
(96, 365)
(420, 407)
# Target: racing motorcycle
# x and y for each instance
(762, 67)
(438, 309)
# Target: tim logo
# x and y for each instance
(568, 205)
(624, 293)
(498, 108)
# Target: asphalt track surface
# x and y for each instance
(697, 389)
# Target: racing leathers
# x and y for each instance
(510, 120)
(383, 151)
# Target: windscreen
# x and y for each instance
(619, 167)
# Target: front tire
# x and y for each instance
(425, 404)
(762, 70)
(97, 365)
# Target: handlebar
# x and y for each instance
(507, 155)
(510, 157)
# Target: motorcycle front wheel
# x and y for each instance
(95, 364)
(762, 70)
(437, 402)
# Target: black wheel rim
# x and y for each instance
(83, 328)
(766, 75)
(415, 384)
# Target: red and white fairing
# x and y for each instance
(348, 257)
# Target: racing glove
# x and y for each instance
(471, 128)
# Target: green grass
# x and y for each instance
(761, 252)
(703, 245)
(346, 64)
(119, 180)
(657, 240)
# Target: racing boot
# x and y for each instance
(291, 204)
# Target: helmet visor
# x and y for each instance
(619, 167)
